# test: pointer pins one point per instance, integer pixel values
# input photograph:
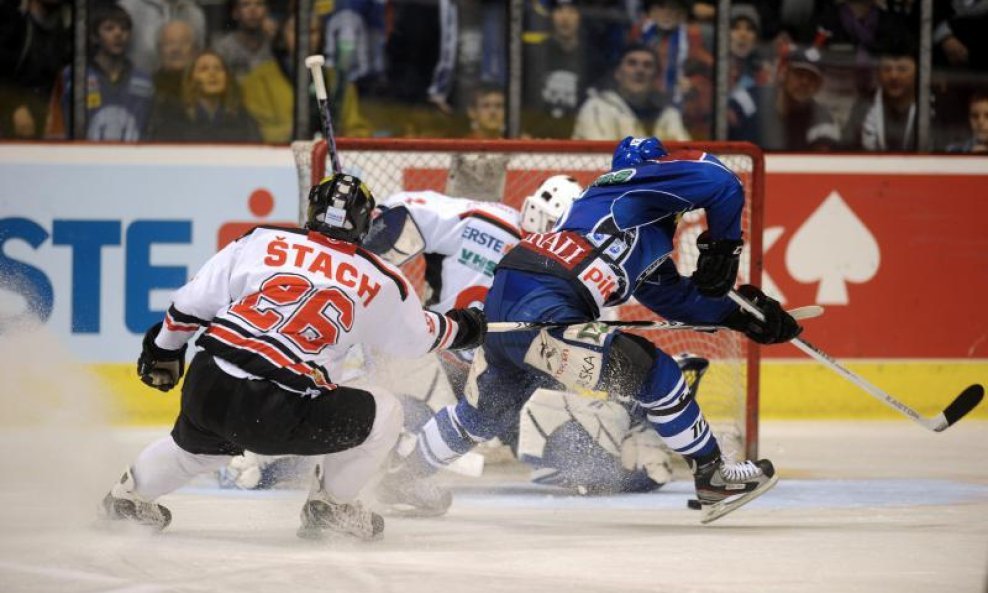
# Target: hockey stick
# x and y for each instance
(315, 64)
(807, 312)
(962, 404)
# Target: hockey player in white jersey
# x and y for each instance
(279, 308)
(462, 240)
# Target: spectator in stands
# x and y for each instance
(35, 45)
(785, 116)
(211, 109)
(244, 48)
(269, 96)
(473, 51)
(22, 125)
(887, 120)
(632, 107)
(978, 116)
(354, 35)
(558, 72)
(959, 33)
(149, 16)
(176, 50)
(486, 112)
(747, 68)
(684, 65)
(118, 95)
(666, 31)
(861, 26)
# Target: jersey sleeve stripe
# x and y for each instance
(447, 333)
(179, 321)
(488, 217)
(442, 326)
(398, 279)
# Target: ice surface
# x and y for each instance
(861, 507)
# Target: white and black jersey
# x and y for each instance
(464, 241)
(286, 305)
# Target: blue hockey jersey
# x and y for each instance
(616, 239)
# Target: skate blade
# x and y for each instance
(715, 511)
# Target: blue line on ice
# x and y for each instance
(792, 493)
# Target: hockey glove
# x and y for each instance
(778, 326)
(472, 324)
(717, 266)
(158, 367)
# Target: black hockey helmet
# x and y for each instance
(340, 207)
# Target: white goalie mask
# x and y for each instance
(542, 209)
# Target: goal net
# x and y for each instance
(509, 170)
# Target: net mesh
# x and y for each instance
(728, 393)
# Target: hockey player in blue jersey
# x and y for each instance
(615, 242)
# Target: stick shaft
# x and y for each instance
(832, 364)
(315, 64)
(808, 312)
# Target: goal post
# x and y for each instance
(509, 170)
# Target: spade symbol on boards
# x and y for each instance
(833, 247)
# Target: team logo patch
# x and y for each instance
(614, 177)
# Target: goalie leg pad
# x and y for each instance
(580, 443)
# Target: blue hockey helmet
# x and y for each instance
(632, 152)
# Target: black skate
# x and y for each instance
(123, 504)
(324, 516)
(723, 487)
(406, 495)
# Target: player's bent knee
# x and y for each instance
(628, 364)
(388, 419)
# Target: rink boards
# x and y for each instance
(95, 239)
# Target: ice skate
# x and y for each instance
(123, 504)
(406, 495)
(723, 487)
(324, 516)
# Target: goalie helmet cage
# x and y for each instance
(729, 390)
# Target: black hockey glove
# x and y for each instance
(717, 266)
(778, 326)
(158, 367)
(472, 328)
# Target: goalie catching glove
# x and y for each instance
(158, 367)
(717, 266)
(778, 327)
(472, 327)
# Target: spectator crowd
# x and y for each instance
(804, 75)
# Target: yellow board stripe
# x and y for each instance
(807, 390)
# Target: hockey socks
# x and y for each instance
(677, 418)
(441, 441)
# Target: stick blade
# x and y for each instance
(807, 312)
(964, 403)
